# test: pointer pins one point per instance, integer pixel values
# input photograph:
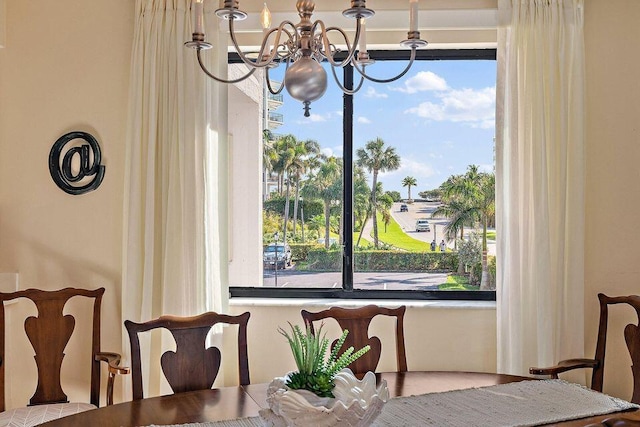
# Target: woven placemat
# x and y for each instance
(525, 403)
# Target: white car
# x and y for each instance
(277, 255)
(422, 224)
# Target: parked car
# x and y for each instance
(404, 208)
(277, 255)
(422, 224)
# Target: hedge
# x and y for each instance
(321, 260)
(300, 251)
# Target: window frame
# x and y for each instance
(347, 291)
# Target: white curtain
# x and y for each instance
(540, 186)
(172, 260)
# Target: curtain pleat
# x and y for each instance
(176, 124)
(540, 186)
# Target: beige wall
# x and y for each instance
(65, 67)
(437, 337)
(612, 256)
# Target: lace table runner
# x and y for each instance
(525, 403)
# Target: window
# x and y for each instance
(434, 128)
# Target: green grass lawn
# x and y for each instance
(397, 238)
(457, 283)
(365, 241)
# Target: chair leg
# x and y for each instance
(110, 381)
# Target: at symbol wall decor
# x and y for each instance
(79, 170)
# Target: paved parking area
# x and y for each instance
(362, 280)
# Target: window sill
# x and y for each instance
(326, 303)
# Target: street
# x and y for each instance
(407, 220)
(384, 280)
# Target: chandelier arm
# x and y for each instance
(351, 49)
(218, 79)
(268, 80)
(389, 80)
(344, 89)
(261, 63)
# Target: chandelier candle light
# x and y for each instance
(301, 47)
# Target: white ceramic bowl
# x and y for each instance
(356, 403)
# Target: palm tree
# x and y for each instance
(304, 158)
(361, 199)
(468, 198)
(269, 156)
(409, 182)
(325, 184)
(375, 158)
(385, 202)
(286, 149)
(458, 214)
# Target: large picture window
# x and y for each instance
(388, 193)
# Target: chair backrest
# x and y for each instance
(49, 332)
(192, 366)
(616, 422)
(631, 337)
(357, 321)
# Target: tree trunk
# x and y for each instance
(341, 236)
(327, 223)
(302, 220)
(286, 211)
(374, 209)
(295, 207)
(484, 281)
(364, 223)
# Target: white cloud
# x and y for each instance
(476, 107)
(423, 81)
(327, 151)
(372, 93)
(410, 167)
(486, 168)
(332, 151)
(313, 117)
(316, 118)
(363, 120)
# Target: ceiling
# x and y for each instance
(443, 23)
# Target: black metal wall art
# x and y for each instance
(88, 173)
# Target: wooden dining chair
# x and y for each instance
(49, 332)
(357, 321)
(632, 339)
(192, 366)
(615, 422)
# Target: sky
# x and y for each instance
(440, 118)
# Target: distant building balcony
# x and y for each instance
(274, 101)
(275, 120)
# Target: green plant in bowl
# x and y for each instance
(316, 372)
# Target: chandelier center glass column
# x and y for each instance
(302, 47)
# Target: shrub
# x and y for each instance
(300, 251)
(377, 260)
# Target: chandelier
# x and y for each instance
(302, 47)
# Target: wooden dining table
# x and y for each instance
(245, 401)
